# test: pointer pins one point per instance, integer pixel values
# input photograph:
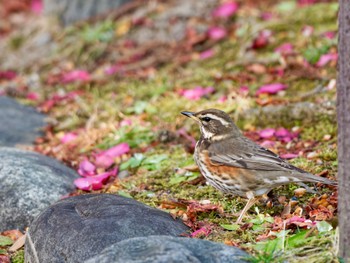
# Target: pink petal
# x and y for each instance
(68, 137)
(76, 75)
(306, 2)
(34, 96)
(243, 90)
(8, 75)
(271, 88)
(37, 6)
(222, 99)
(86, 168)
(113, 69)
(202, 231)
(217, 33)
(226, 10)
(307, 31)
(94, 182)
(267, 16)
(267, 144)
(282, 132)
(285, 48)
(118, 150)
(125, 122)
(196, 93)
(267, 133)
(104, 161)
(106, 158)
(289, 156)
(326, 58)
(329, 34)
(262, 39)
(206, 54)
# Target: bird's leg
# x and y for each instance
(251, 201)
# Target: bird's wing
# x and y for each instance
(246, 154)
(249, 155)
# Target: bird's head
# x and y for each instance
(214, 124)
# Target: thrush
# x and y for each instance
(236, 165)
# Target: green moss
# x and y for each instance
(324, 125)
(18, 257)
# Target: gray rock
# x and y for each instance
(80, 227)
(70, 11)
(164, 29)
(19, 124)
(29, 183)
(159, 249)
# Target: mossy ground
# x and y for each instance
(152, 102)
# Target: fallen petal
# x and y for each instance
(110, 70)
(206, 54)
(68, 137)
(106, 158)
(118, 150)
(285, 48)
(267, 133)
(289, 155)
(262, 39)
(306, 2)
(326, 58)
(271, 88)
(86, 168)
(33, 96)
(94, 182)
(37, 6)
(244, 90)
(104, 161)
(266, 16)
(204, 231)
(226, 10)
(329, 34)
(217, 33)
(307, 31)
(126, 122)
(267, 144)
(196, 93)
(222, 99)
(76, 75)
(8, 75)
(282, 132)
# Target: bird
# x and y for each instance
(236, 165)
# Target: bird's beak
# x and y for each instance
(190, 115)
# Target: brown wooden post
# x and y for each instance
(343, 115)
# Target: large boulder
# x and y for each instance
(29, 182)
(70, 11)
(162, 249)
(19, 124)
(80, 227)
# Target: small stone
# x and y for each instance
(123, 174)
(327, 137)
(311, 155)
(299, 192)
(282, 199)
(298, 211)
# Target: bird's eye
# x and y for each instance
(206, 119)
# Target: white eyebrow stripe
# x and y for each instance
(214, 117)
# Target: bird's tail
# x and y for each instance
(306, 177)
